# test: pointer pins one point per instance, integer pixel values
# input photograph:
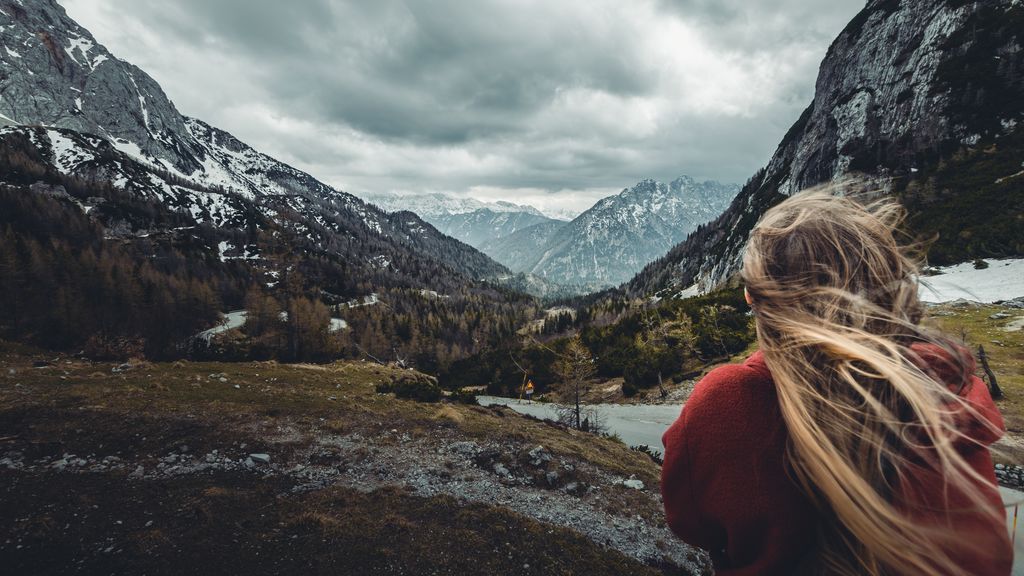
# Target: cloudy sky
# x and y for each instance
(556, 103)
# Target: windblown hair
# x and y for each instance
(835, 300)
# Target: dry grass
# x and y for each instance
(230, 521)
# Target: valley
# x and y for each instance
(216, 361)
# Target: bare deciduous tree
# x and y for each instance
(576, 367)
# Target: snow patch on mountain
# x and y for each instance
(1000, 280)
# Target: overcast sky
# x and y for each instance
(556, 103)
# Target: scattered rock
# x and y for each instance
(1015, 325)
(261, 458)
(325, 457)
(962, 303)
(468, 449)
(999, 316)
(501, 470)
(1017, 303)
(633, 483)
(121, 368)
(552, 477)
(538, 456)
(486, 456)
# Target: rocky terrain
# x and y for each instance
(284, 437)
(601, 247)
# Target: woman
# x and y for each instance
(854, 441)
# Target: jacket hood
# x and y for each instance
(979, 418)
(979, 421)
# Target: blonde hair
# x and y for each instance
(835, 301)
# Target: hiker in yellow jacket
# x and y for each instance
(529, 390)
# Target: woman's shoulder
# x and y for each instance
(733, 386)
(731, 419)
(727, 381)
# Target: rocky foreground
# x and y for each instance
(261, 468)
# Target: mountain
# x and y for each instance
(519, 249)
(94, 133)
(432, 205)
(55, 74)
(926, 98)
(478, 227)
(615, 238)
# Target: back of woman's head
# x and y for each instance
(836, 306)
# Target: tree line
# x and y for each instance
(645, 344)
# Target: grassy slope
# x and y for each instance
(239, 522)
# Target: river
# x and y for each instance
(636, 424)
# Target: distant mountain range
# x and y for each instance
(613, 240)
(435, 204)
(601, 247)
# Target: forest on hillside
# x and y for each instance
(86, 267)
(647, 344)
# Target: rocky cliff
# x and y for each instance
(906, 86)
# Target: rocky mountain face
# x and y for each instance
(108, 121)
(611, 241)
(55, 73)
(905, 88)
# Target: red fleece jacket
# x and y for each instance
(726, 489)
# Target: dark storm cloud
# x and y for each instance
(435, 71)
(452, 95)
